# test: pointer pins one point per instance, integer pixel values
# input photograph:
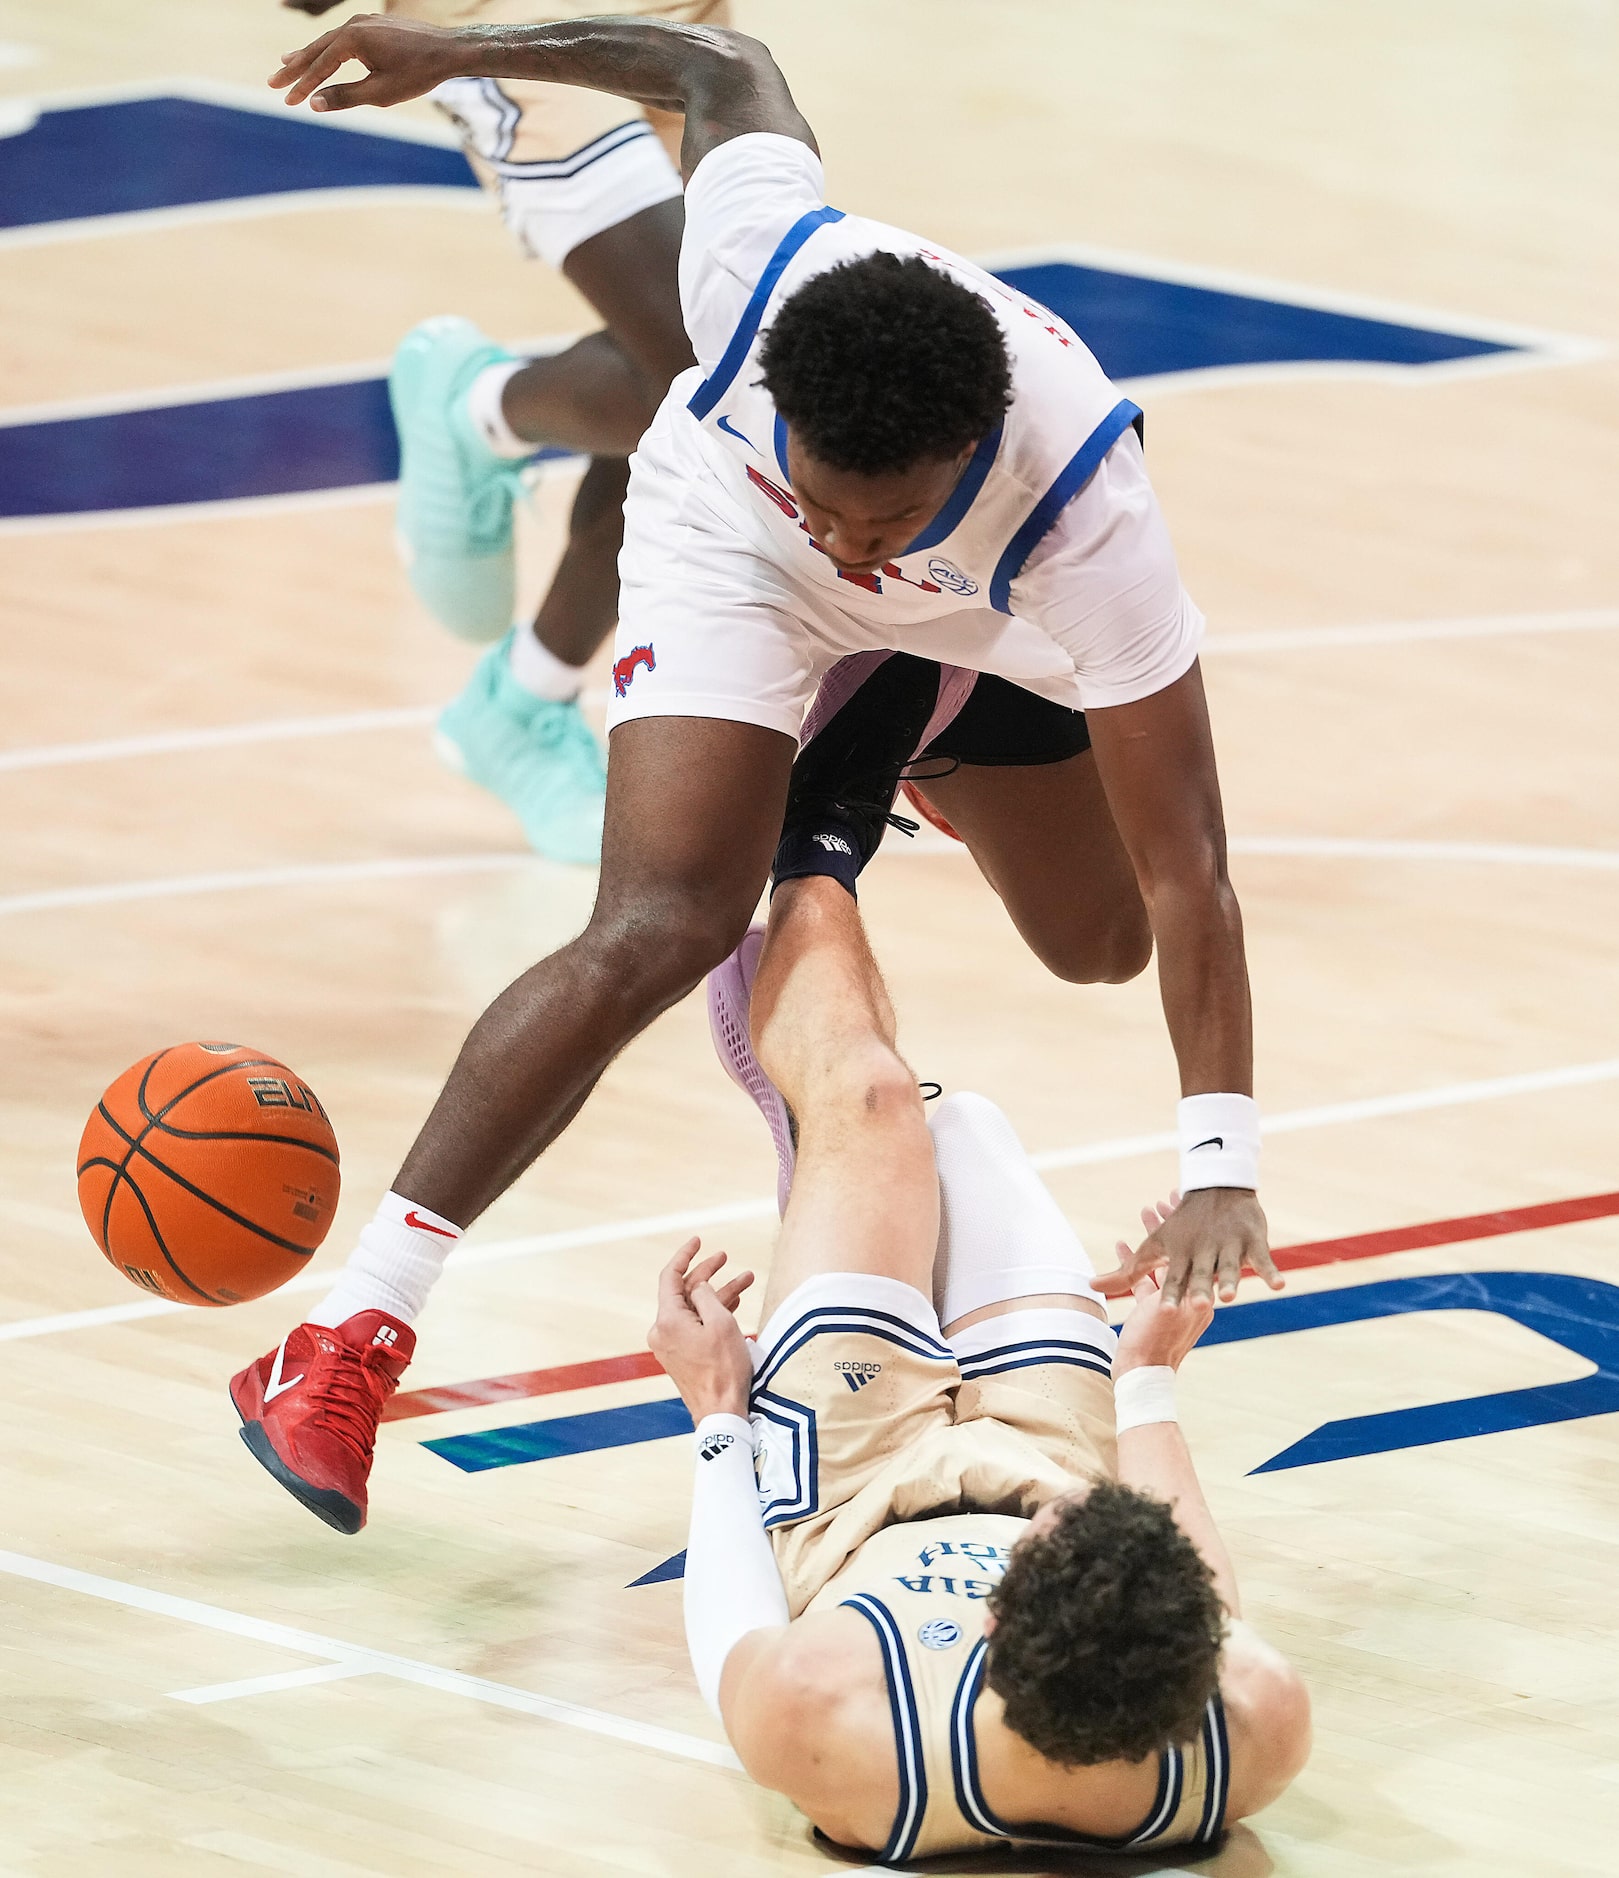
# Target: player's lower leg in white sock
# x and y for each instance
(1001, 1235)
(397, 1262)
(539, 671)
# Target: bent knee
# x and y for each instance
(1105, 953)
(653, 954)
(866, 1082)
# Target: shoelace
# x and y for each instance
(349, 1396)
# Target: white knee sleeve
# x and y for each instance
(1001, 1235)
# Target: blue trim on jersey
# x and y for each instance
(718, 382)
(799, 1423)
(962, 497)
(1217, 1762)
(976, 1810)
(559, 168)
(1031, 1356)
(829, 1320)
(1073, 476)
(778, 438)
(964, 1744)
(913, 1779)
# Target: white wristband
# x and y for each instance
(1144, 1396)
(1219, 1138)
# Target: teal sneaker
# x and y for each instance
(540, 758)
(455, 494)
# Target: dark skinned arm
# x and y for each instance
(725, 83)
(1155, 759)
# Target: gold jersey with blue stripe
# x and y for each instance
(923, 1587)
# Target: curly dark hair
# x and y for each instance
(884, 362)
(1107, 1632)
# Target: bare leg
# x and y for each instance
(599, 396)
(1045, 840)
(865, 1195)
(693, 811)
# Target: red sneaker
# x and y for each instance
(310, 1409)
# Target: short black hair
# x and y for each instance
(1107, 1632)
(885, 362)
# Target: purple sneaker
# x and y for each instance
(730, 992)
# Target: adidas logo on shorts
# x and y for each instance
(857, 1375)
(715, 1445)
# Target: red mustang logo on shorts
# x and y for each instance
(624, 671)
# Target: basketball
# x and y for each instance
(208, 1173)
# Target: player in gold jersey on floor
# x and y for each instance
(937, 1594)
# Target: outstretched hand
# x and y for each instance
(403, 59)
(1158, 1332)
(695, 1335)
(1202, 1244)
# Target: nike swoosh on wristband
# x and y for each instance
(1214, 1141)
(414, 1220)
(275, 1386)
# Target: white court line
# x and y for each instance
(376, 1662)
(1414, 632)
(221, 736)
(410, 867)
(1088, 1154)
(278, 729)
(268, 1685)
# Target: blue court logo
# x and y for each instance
(940, 1634)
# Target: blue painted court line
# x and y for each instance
(166, 153)
(1579, 1314)
(565, 1434)
(663, 1574)
(1140, 327)
(336, 436)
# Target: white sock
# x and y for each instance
(1001, 1235)
(486, 407)
(397, 1262)
(538, 669)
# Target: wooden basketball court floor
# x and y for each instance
(222, 818)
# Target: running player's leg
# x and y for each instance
(1027, 801)
(590, 189)
(693, 812)
(865, 1193)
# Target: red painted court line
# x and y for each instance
(525, 1383)
(1371, 1245)
(1367, 1245)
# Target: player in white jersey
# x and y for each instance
(951, 1580)
(879, 450)
(587, 184)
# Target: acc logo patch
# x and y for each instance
(947, 574)
(940, 1634)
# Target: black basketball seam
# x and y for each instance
(190, 1285)
(156, 1117)
(219, 1206)
(228, 1134)
(122, 1172)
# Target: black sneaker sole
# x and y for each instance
(337, 1509)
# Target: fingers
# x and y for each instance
(1190, 1274)
(730, 1293)
(1228, 1269)
(1260, 1261)
(313, 64)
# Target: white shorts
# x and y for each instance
(711, 624)
(565, 164)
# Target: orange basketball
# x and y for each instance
(208, 1173)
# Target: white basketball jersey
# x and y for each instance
(1064, 418)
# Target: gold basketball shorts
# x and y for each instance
(863, 1416)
